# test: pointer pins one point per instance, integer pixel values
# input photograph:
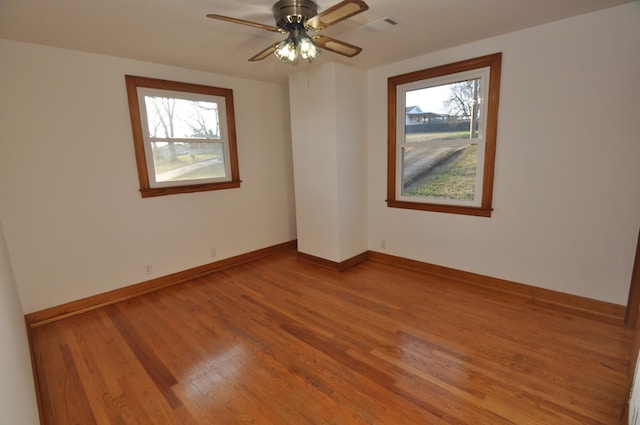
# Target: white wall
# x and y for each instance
(329, 152)
(315, 161)
(17, 393)
(75, 223)
(567, 190)
(352, 159)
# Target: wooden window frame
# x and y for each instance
(493, 62)
(132, 85)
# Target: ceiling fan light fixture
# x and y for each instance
(286, 51)
(295, 18)
(308, 49)
(297, 45)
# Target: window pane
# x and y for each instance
(444, 112)
(170, 117)
(440, 172)
(175, 161)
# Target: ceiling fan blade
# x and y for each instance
(336, 46)
(243, 22)
(336, 13)
(265, 53)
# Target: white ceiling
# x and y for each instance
(176, 32)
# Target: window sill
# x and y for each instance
(451, 209)
(161, 191)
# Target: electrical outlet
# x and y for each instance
(212, 252)
(148, 269)
(383, 244)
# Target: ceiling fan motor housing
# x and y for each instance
(289, 14)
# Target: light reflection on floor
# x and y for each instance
(209, 381)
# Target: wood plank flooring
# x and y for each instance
(278, 341)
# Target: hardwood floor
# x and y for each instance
(278, 341)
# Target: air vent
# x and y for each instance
(380, 25)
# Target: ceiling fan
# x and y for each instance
(298, 18)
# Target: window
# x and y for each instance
(442, 137)
(184, 136)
